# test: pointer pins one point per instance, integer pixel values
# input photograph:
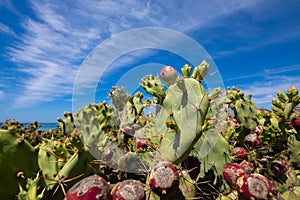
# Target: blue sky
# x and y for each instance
(255, 45)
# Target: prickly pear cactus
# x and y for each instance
(32, 190)
(244, 109)
(246, 113)
(284, 105)
(199, 133)
(50, 162)
(18, 159)
(90, 121)
(153, 86)
(133, 112)
(294, 148)
(201, 71)
(119, 97)
(67, 124)
(180, 119)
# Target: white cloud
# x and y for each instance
(268, 82)
(7, 30)
(263, 91)
(57, 40)
(267, 72)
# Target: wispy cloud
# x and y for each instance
(267, 72)
(265, 84)
(8, 4)
(263, 91)
(7, 30)
(58, 38)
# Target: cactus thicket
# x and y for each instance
(183, 142)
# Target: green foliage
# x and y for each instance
(18, 159)
(119, 97)
(67, 124)
(153, 86)
(180, 119)
(31, 192)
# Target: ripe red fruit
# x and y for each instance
(239, 153)
(141, 143)
(253, 140)
(128, 190)
(231, 172)
(92, 187)
(259, 129)
(164, 179)
(247, 166)
(254, 186)
(168, 75)
(296, 123)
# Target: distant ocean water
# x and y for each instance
(47, 126)
(44, 127)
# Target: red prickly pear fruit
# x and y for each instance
(254, 186)
(247, 166)
(92, 187)
(128, 130)
(278, 167)
(259, 129)
(141, 143)
(253, 140)
(128, 190)
(164, 179)
(168, 74)
(239, 154)
(192, 165)
(296, 124)
(231, 172)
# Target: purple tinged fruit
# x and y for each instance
(92, 187)
(247, 166)
(259, 129)
(141, 143)
(128, 190)
(231, 172)
(164, 179)
(168, 74)
(239, 153)
(253, 140)
(254, 186)
(296, 124)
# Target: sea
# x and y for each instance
(44, 126)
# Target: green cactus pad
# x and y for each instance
(16, 155)
(186, 103)
(212, 150)
(294, 148)
(119, 97)
(31, 192)
(67, 124)
(152, 85)
(246, 113)
(293, 194)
